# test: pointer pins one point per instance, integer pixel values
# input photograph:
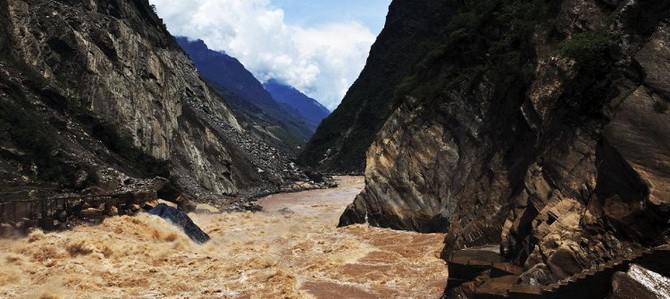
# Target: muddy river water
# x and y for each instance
(290, 250)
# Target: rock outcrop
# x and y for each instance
(639, 282)
(340, 142)
(181, 219)
(542, 126)
(108, 92)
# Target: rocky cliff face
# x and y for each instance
(341, 140)
(539, 125)
(95, 74)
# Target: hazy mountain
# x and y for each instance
(309, 108)
(233, 81)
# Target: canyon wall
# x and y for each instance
(539, 125)
(110, 68)
(341, 140)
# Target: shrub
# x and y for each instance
(587, 47)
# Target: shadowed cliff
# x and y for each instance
(539, 125)
(96, 94)
(341, 140)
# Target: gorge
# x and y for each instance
(534, 132)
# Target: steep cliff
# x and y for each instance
(341, 140)
(98, 92)
(539, 125)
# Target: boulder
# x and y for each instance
(315, 176)
(182, 220)
(113, 211)
(91, 213)
(639, 282)
(206, 209)
(286, 211)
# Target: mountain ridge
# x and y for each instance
(104, 90)
(309, 108)
(230, 78)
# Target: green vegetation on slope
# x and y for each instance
(492, 41)
(484, 38)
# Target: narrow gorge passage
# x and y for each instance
(291, 249)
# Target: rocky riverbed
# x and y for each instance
(292, 249)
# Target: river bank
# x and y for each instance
(291, 249)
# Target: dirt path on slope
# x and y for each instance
(291, 250)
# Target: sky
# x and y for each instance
(316, 46)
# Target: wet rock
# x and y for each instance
(639, 282)
(187, 205)
(91, 213)
(181, 220)
(206, 209)
(134, 208)
(6, 230)
(315, 176)
(567, 169)
(286, 211)
(354, 212)
(47, 224)
(113, 211)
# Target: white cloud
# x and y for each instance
(321, 62)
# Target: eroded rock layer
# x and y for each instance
(539, 125)
(103, 77)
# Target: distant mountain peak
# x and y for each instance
(196, 44)
(241, 89)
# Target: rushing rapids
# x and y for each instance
(292, 249)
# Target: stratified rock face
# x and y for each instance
(116, 60)
(342, 139)
(639, 282)
(543, 126)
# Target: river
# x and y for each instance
(290, 250)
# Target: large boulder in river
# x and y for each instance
(182, 220)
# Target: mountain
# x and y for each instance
(222, 69)
(97, 95)
(246, 94)
(310, 109)
(342, 139)
(538, 126)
